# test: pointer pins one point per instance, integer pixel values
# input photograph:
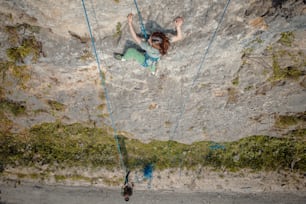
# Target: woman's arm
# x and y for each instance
(132, 31)
(178, 25)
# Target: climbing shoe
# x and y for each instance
(153, 70)
(119, 57)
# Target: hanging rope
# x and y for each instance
(105, 89)
(142, 27)
(186, 99)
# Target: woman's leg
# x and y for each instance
(133, 54)
(152, 68)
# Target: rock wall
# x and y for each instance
(253, 74)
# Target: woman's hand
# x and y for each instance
(178, 21)
(132, 31)
(130, 18)
(178, 24)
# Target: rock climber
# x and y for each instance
(156, 46)
(127, 188)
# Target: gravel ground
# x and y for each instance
(31, 193)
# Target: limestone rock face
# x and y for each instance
(253, 72)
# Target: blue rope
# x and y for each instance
(187, 98)
(105, 89)
(142, 27)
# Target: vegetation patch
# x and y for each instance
(248, 88)
(5, 123)
(16, 108)
(28, 47)
(303, 83)
(2, 93)
(286, 62)
(284, 121)
(13, 36)
(247, 52)
(299, 134)
(9, 107)
(287, 38)
(118, 30)
(57, 106)
(15, 31)
(23, 45)
(20, 72)
(280, 73)
(78, 146)
(86, 55)
(102, 107)
(235, 81)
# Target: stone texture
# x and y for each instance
(179, 103)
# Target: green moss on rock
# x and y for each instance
(76, 145)
(287, 38)
(287, 61)
(23, 46)
(235, 81)
(86, 55)
(281, 73)
(17, 108)
(2, 93)
(118, 30)
(55, 105)
(13, 36)
(5, 123)
(284, 121)
(29, 47)
(20, 72)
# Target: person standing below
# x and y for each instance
(156, 46)
(127, 188)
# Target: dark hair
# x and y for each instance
(161, 42)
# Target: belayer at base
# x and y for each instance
(127, 188)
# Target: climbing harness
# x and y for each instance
(154, 60)
(105, 89)
(187, 98)
(142, 27)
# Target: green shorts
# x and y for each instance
(133, 54)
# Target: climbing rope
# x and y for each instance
(187, 98)
(142, 27)
(105, 89)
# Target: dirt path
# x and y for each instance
(31, 193)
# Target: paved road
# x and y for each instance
(27, 193)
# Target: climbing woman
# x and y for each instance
(156, 46)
